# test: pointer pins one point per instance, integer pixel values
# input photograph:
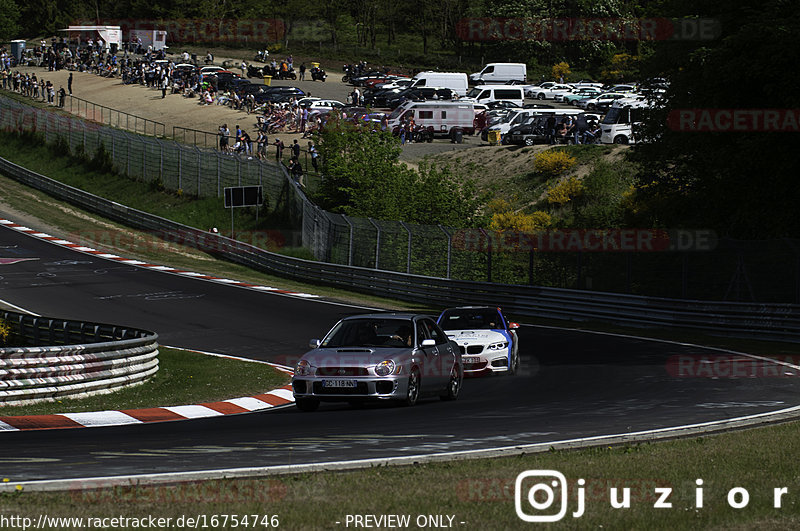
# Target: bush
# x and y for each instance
(504, 218)
(564, 191)
(561, 69)
(553, 163)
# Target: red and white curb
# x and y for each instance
(139, 263)
(246, 404)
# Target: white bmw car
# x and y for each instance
(487, 341)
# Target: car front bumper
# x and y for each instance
(484, 363)
(365, 387)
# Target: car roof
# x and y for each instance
(388, 315)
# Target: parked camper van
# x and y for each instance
(440, 117)
(622, 121)
(489, 93)
(500, 73)
(455, 81)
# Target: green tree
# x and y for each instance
(742, 184)
(9, 20)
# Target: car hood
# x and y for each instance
(476, 336)
(354, 356)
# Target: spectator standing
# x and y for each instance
(62, 95)
(278, 149)
(302, 71)
(261, 143)
(224, 133)
(296, 149)
(69, 83)
(312, 149)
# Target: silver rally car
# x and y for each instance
(487, 341)
(382, 356)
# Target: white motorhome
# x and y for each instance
(155, 38)
(622, 121)
(500, 73)
(439, 116)
(455, 81)
(489, 93)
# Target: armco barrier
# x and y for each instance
(74, 359)
(766, 321)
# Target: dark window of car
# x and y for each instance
(471, 319)
(373, 332)
(488, 70)
(426, 115)
(422, 332)
(421, 82)
(507, 94)
(444, 115)
(435, 332)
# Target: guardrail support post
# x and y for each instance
(352, 235)
(408, 258)
(377, 242)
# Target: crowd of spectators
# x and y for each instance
(135, 64)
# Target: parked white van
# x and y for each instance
(441, 117)
(500, 73)
(455, 81)
(622, 122)
(489, 93)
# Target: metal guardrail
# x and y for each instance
(72, 358)
(115, 118)
(765, 321)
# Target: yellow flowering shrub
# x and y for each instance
(505, 219)
(564, 191)
(553, 163)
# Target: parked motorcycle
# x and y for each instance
(262, 55)
(255, 71)
(318, 74)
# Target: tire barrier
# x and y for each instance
(71, 359)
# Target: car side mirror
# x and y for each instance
(513, 326)
(314, 343)
(428, 343)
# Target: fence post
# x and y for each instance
(449, 248)
(408, 255)
(352, 235)
(144, 159)
(377, 242)
(199, 169)
(160, 159)
(219, 175)
(180, 170)
(488, 255)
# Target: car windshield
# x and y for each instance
(471, 319)
(372, 333)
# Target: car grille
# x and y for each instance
(474, 349)
(342, 371)
(359, 389)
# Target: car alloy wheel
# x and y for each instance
(541, 96)
(307, 404)
(412, 393)
(529, 141)
(621, 139)
(453, 386)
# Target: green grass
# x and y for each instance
(183, 378)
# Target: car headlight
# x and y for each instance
(303, 368)
(385, 368)
(498, 346)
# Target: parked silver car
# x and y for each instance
(381, 356)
